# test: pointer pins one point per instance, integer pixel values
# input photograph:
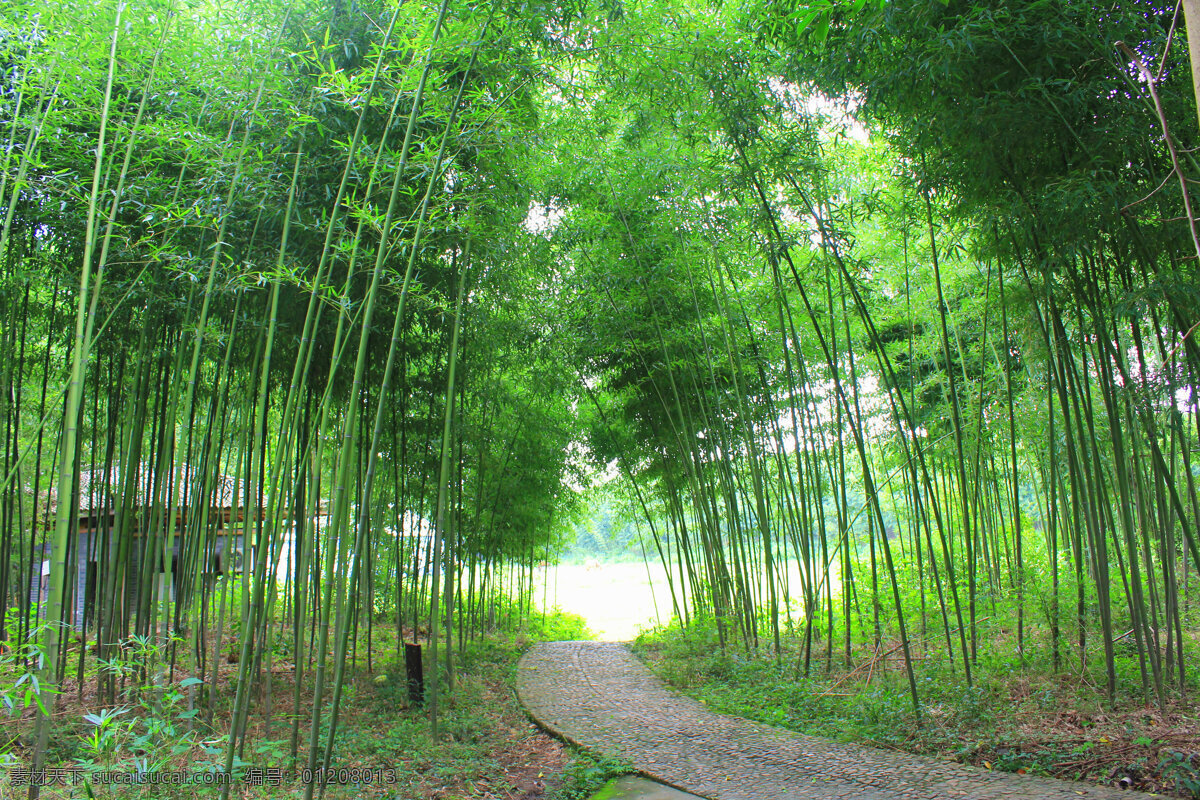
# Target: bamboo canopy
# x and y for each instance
(881, 318)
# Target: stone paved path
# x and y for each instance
(597, 695)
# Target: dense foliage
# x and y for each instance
(878, 314)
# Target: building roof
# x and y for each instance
(100, 487)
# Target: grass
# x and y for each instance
(384, 749)
(618, 599)
(1019, 716)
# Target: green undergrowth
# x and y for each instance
(585, 774)
(384, 748)
(486, 744)
(1017, 716)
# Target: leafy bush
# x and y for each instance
(586, 774)
(1183, 770)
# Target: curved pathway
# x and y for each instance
(597, 695)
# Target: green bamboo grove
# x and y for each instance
(316, 319)
(260, 363)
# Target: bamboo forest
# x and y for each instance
(327, 328)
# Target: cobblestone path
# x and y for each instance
(597, 695)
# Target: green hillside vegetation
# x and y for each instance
(606, 535)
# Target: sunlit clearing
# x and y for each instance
(620, 599)
(617, 599)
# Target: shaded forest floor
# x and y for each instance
(486, 747)
(1018, 717)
